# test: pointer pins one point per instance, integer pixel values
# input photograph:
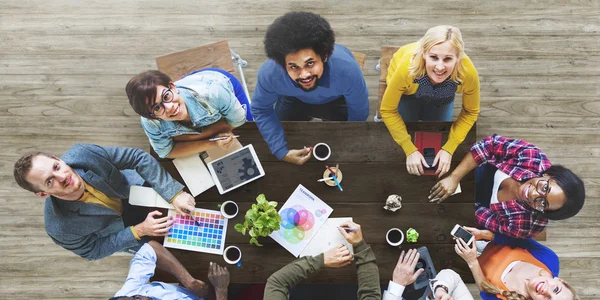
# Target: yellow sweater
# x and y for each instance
(399, 82)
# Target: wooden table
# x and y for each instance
(373, 166)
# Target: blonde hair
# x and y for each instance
(488, 287)
(434, 36)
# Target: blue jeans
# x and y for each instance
(412, 109)
(292, 109)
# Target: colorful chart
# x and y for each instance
(208, 235)
(297, 223)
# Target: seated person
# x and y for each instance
(179, 117)
(153, 255)
(87, 209)
(422, 80)
(307, 75)
(447, 285)
(279, 284)
(516, 269)
(518, 189)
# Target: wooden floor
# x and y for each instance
(64, 65)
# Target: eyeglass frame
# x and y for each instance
(163, 101)
(542, 197)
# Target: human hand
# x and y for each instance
(154, 227)
(219, 277)
(442, 160)
(480, 234)
(337, 257)
(226, 143)
(441, 294)
(297, 157)
(404, 272)
(469, 254)
(443, 189)
(354, 236)
(184, 203)
(415, 162)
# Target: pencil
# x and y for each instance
(335, 178)
(222, 138)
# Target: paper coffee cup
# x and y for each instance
(394, 237)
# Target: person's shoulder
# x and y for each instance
(343, 57)
(151, 125)
(80, 150)
(270, 68)
(468, 67)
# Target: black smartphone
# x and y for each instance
(429, 155)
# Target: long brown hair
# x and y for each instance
(488, 287)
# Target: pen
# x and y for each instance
(325, 179)
(334, 178)
(187, 211)
(350, 228)
(222, 138)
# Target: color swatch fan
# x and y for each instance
(208, 235)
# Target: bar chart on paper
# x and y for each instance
(208, 235)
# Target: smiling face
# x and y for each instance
(440, 61)
(544, 288)
(54, 177)
(305, 67)
(537, 187)
(175, 109)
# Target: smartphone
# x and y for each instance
(460, 233)
(429, 155)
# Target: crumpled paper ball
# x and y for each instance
(393, 203)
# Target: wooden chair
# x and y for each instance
(360, 59)
(215, 55)
(384, 62)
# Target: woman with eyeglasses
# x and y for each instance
(514, 269)
(518, 189)
(179, 117)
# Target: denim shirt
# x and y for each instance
(208, 96)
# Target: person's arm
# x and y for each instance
(470, 108)
(93, 247)
(404, 274)
(469, 254)
(279, 283)
(399, 82)
(263, 99)
(515, 225)
(141, 269)
(542, 253)
(357, 97)
(167, 262)
(367, 272)
(188, 148)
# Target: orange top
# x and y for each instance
(495, 258)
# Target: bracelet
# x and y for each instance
(441, 286)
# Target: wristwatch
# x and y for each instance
(440, 286)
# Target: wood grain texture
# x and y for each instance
(64, 66)
(181, 63)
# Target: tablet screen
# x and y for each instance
(236, 169)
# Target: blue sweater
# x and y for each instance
(342, 76)
(542, 253)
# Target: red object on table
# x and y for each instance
(428, 143)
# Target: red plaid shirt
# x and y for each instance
(521, 161)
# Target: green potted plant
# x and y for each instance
(260, 220)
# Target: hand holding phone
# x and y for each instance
(460, 233)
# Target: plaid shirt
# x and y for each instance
(521, 161)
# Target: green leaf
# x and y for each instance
(273, 204)
(254, 241)
(259, 223)
(253, 232)
(261, 199)
(273, 224)
(239, 227)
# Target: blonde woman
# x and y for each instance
(422, 81)
(514, 269)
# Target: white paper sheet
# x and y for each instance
(327, 237)
(145, 196)
(194, 173)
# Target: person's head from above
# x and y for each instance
(559, 194)
(153, 95)
(301, 42)
(541, 287)
(47, 175)
(438, 55)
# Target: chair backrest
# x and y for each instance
(360, 59)
(384, 62)
(179, 64)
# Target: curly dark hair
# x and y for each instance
(573, 188)
(298, 30)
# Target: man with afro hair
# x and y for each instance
(306, 76)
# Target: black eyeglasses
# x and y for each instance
(159, 109)
(543, 188)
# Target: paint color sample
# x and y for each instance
(207, 236)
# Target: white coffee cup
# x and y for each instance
(315, 152)
(225, 214)
(230, 261)
(398, 243)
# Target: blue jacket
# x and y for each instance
(94, 231)
(342, 76)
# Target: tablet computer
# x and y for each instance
(236, 169)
